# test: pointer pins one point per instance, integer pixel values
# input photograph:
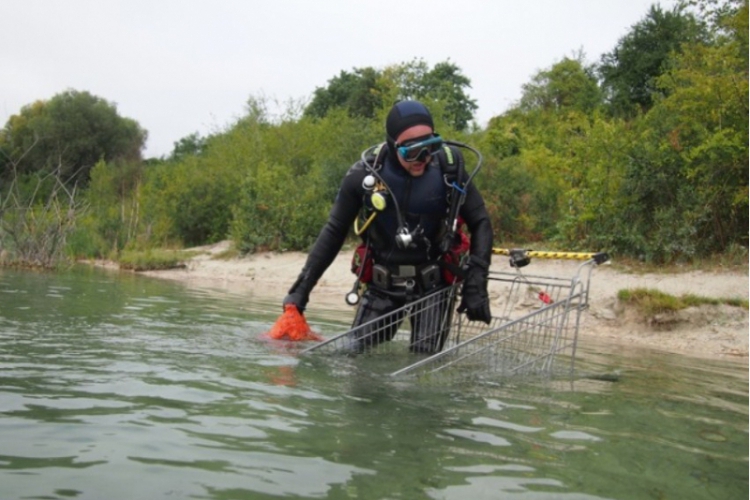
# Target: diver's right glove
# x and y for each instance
(475, 300)
(299, 292)
(292, 325)
(296, 299)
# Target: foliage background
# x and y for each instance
(642, 154)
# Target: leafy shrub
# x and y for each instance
(278, 210)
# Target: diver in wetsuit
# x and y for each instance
(404, 227)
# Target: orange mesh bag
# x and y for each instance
(293, 326)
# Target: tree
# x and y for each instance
(190, 145)
(356, 92)
(567, 85)
(365, 91)
(446, 83)
(703, 122)
(443, 85)
(628, 73)
(679, 172)
(69, 134)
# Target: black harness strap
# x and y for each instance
(453, 172)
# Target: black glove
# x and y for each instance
(299, 293)
(474, 298)
(296, 298)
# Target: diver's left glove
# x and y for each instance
(475, 300)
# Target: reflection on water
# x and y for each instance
(117, 386)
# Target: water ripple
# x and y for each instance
(123, 387)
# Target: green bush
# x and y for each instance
(278, 210)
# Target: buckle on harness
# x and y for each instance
(401, 276)
(427, 276)
(405, 277)
(381, 277)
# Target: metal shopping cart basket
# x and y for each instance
(535, 333)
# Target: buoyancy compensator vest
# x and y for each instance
(411, 220)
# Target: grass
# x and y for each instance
(153, 260)
(650, 302)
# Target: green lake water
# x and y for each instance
(117, 386)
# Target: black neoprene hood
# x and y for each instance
(403, 115)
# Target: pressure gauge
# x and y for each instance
(352, 298)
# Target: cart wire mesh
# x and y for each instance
(429, 320)
(534, 333)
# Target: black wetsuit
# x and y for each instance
(423, 202)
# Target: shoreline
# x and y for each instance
(718, 332)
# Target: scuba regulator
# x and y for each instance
(406, 239)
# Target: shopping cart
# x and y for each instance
(536, 329)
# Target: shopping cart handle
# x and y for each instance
(519, 258)
(517, 254)
(600, 258)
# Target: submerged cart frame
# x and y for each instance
(538, 327)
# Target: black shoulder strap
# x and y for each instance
(375, 156)
(452, 166)
(451, 163)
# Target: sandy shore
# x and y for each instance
(708, 331)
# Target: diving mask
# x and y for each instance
(420, 148)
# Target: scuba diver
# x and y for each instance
(406, 199)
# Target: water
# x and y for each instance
(121, 387)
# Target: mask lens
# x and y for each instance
(420, 149)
